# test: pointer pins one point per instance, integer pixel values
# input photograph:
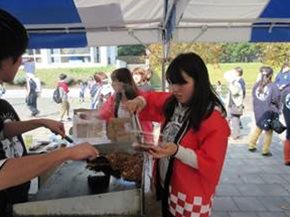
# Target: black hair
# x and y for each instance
(62, 76)
(239, 70)
(130, 88)
(13, 37)
(204, 98)
(266, 77)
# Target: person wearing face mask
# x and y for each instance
(195, 137)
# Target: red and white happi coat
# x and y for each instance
(191, 190)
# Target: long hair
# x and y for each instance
(266, 78)
(13, 37)
(204, 98)
(130, 88)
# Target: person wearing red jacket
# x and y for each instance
(125, 89)
(64, 90)
(195, 137)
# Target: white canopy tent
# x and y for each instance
(80, 23)
(72, 23)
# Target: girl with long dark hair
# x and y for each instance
(266, 100)
(195, 136)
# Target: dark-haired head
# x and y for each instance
(124, 85)
(124, 76)
(62, 76)
(203, 97)
(239, 71)
(266, 77)
(13, 37)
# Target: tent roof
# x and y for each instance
(78, 23)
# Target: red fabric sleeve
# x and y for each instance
(213, 139)
(107, 110)
(153, 110)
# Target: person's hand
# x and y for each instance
(56, 127)
(82, 151)
(136, 104)
(164, 150)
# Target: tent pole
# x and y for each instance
(163, 67)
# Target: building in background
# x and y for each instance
(69, 57)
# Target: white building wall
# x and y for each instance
(101, 56)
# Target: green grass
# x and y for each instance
(50, 76)
(217, 73)
(250, 72)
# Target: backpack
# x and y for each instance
(56, 96)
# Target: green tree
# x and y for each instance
(131, 50)
(274, 54)
(239, 52)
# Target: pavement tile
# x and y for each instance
(227, 190)
(250, 170)
(272, 214)
(274, 203)
(250, 190)
(252, 179)
(219, 214)
(272, 169)
(249, 204)
(228, 178)
(224, 204)
(273, 178)
(243, 214)
(274, 190)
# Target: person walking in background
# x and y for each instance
(29, 66)
(31, 99)
(283, 83)
(239, 77)
(142, 78)
(64, 90)
(195, 137)
(82, 91)
(218, 89)
(283, 77)
(234, 102)
(235, 107)
(266, 100)
(95, 91)
(286, 114)
(16, 167)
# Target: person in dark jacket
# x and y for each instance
(283, 82)
(266, 100)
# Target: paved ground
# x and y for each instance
(251, 185)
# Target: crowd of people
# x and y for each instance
(193, 117)
(270, 98)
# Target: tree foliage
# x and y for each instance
(274, 54)
(131, 50)
(210, 52)
(239, 52)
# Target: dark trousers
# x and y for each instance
(32, 103)
(164, 203)
(286, 113)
